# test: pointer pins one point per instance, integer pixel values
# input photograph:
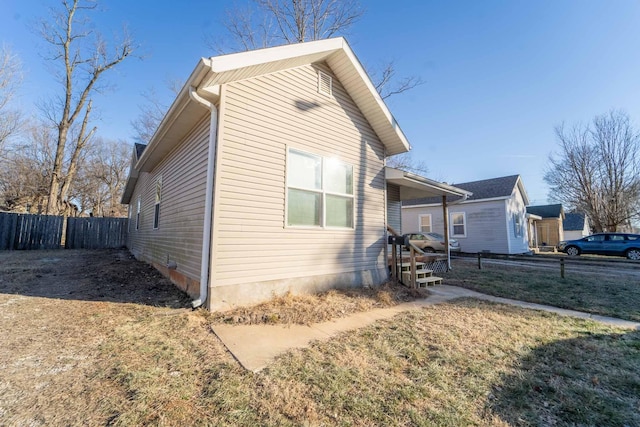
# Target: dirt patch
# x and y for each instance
(99, 275)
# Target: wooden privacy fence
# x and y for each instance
(96, 233)
(26, 231)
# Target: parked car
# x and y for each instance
(432, 242)
(621, 244)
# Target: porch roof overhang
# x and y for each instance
(414, 186)
(533, 217)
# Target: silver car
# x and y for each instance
(432, 242)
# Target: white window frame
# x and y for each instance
(518, 225)
(156, 205)
(323, 213)
(138, 205)
(453, 226)
(420, 223)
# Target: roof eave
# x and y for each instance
(414, 186)
(210, 73)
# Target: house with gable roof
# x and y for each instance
(267, 175)
(549, 228)
(492, 219)
(575, 226)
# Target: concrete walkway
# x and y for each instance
(255, 346)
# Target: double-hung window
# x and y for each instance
(425, 223)
(138, 206)
(458, 224)
(319, 191)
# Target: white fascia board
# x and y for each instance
(466, 202)
(178, 105)
(523, 192)
(234, 61)
(366, 81)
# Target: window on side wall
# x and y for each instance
(138, 205)
(518, 225)
(319, 191)
(425, 223)
(156, 207)
(458, 224)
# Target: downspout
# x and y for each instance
(208, 208)
(446, 223)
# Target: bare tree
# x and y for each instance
(102, 177)
(387, 85)
(264, 23)
(152, 112)
(24, 171)
(407, 162)
(84, 57)
(271, 22)
(10, 79)
(597, 170)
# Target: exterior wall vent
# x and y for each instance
(324, 83)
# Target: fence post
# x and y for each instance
(479, 261)
(562, 267)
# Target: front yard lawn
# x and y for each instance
(107, 358)
(615, 295)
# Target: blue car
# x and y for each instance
(620, 244)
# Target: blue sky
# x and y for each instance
(499, 75)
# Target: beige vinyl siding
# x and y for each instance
(262, 118)
(179, 234)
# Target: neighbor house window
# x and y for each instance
(319, 191)
(156, 208)
(458, 224)
(425, 223)
(138, 214)
(518, 225)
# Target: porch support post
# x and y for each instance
(445, 217)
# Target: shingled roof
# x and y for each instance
(573, 221)
(139, 149)
(546, 211)
(484, 189)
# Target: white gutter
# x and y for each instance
(208, 217)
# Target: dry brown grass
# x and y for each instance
(73, 361)
(308, 309)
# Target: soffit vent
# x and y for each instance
(324, 83)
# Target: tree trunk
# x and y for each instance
(53, 206)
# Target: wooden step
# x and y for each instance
(429, 281)
(407, 267)
(406, 275)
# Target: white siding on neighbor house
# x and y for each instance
(179, 234)
(515, 206)
(486, 228)
(394, 207)
(261, 118)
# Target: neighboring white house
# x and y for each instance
(267, 176)
(575, 226)
(492, 219)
